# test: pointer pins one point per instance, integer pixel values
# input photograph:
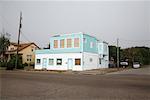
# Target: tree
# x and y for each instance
(4, 43)
(140, 54)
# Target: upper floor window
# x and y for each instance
(11, 48)
(91, 44)
(62, 43)
(69, 43)
(76, 42)
(84, 40)
(55, 43)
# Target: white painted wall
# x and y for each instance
(64, 58)
(88, 65)
(85, 57)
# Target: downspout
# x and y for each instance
(82, 53)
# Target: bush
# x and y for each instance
(3, 64)
(12, 62)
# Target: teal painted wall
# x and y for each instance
(87, 40)
(84, 40)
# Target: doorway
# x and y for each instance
(70, 63)
(44, 64)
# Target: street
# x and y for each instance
(20, 85)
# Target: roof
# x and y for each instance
(21, 46)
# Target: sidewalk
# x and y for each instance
(101, 71)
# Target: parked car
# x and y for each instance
(136, 65)
(124, 64)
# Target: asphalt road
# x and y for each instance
(16, 85)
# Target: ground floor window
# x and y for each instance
(51, 61)
(78, 61)
(38, 61)
(91, 59)
(29, 57)
(59, 62)
(99, 60)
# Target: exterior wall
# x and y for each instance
(65, 49)
(98, 53)
(87, 40)
(28, 51)
(104, 62)
(64, 57)
(88, 64)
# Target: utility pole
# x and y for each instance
(20, 25)
(118, 53)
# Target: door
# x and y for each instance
(70, 63)
(44, 64)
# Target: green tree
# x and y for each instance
(140, 54)
(113, 52)
(4, 43)
(12, 62)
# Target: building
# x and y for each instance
(26, 50)
(76, 52)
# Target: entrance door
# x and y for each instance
(70, 63)
(44, 64)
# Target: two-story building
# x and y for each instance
(76, 52)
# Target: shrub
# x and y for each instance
(12, 62)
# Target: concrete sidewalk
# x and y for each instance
(87, 72)
(100, 71)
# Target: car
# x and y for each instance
(124, 64)
(136, 65)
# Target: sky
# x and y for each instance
(106, 20)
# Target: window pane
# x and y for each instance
(77, 61)
(84, 40)
(91, 44)
(76, 42)
(29, 57)
(51, 61)
(69, 43)
(99, 60)
(59, 61)
(38, 61)
(91, 59)
(62, 43)
(55, 43)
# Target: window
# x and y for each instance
(59, 62)
(69, 43)
(84, 40)
(99, 60)
(32, 50)
(55, 43)
(76, 42)
(29, 57)
(12, 48)
(77, 61)
(62, 43)
(91, 59)
(51, 61)
(91, 44)
(38, 61)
